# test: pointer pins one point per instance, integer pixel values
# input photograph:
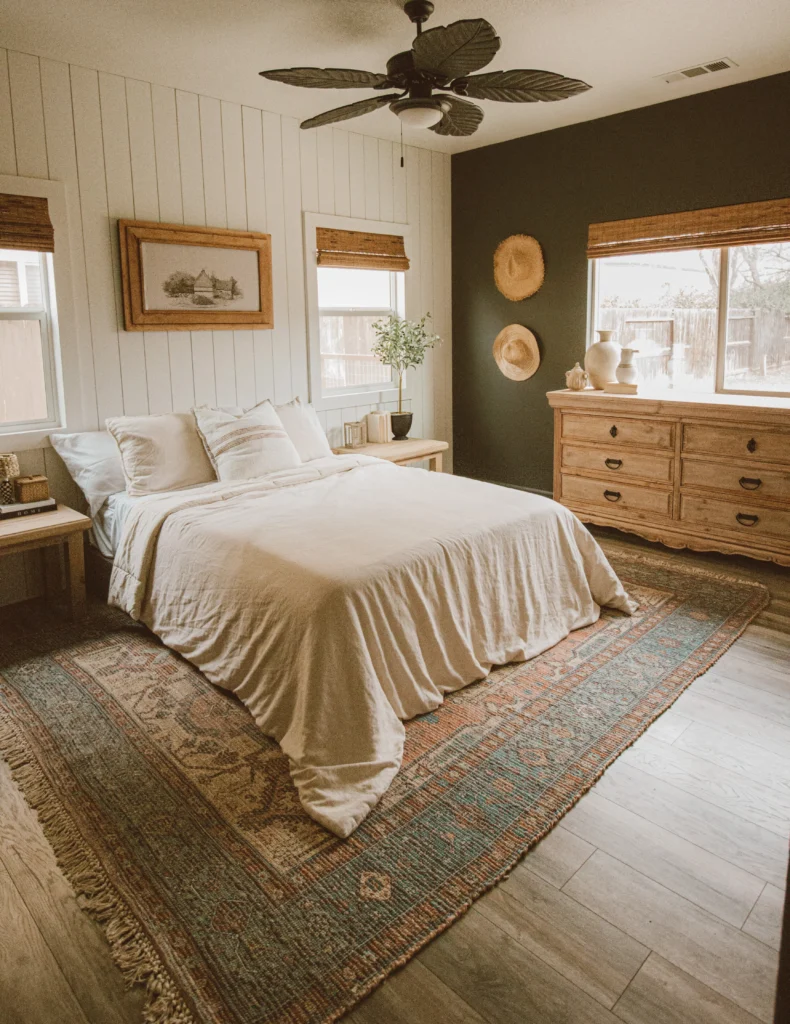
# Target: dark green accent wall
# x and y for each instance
(727, 146)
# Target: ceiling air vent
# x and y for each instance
(699, 69)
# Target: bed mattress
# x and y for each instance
(340, 598)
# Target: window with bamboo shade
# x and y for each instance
(704, 296)
(25, 224)
(360, 250)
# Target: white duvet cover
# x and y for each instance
(339, 598)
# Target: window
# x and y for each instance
(666, 305)
(27, 385)
(350, 301)
(704, 296)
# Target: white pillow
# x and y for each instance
(248, 446)
(94, 462)
(304, 429)
(160, 453)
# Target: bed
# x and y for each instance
(342, 597)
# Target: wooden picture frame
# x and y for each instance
(152, 302)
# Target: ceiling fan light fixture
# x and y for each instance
(419, 113)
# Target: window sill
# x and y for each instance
(352, 398)
(24, 440)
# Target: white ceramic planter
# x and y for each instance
(601, 360)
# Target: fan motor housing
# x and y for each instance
(418, 11)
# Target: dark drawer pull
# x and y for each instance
(750, 483)
(745, 519)
(751, 445)
(612, 495)
(613, 463)
(613, 431)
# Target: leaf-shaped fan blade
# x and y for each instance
(325, 78)
(456, 49)
(462, 118)
(350, 110)
(520, 86)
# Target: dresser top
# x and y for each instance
(670, 403)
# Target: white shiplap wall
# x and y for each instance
(127, 148)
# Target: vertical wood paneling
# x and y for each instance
(190, 158)
(28, 115)
(326, 170)
(168, 176)
(141, 147)
(341, 172)
(308, 155)
(62, 156)
(414, 307)
(294, 256)
(126, 148)
(213, 163)
(356, 174)
(233, 163)
(7, 146)
(225, 368)
(120, 203)
(96, 234)
(386, 189)
(371, 147)
(426, 285)
(275, 218)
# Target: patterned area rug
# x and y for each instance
(178, 823)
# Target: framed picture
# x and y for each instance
(179, 278)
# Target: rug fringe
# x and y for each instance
(130, 948)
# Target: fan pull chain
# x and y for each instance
(401, 143)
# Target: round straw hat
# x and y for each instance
(516, 352)
(518, 267)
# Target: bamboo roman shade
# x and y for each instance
(358, 250)
(25, 224)
(744, 224)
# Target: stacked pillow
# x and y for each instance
(149, 454)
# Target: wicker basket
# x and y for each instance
(9, 468)
(31, 488)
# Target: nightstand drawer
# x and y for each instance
(743, 443)
(614, 497)
(738, 517)
(742, 480)
(616, 430)
(614, 463)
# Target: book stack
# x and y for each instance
(379, 427)
(26, 508)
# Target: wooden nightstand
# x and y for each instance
(49, 529)
(413, 449)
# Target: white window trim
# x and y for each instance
(67, 379)
(722, 320)
(364, 396)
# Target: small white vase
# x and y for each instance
(626, 371)
(601, 360)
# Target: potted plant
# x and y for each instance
(402, 344)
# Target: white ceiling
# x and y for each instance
(217, 47)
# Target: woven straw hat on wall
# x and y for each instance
(518, 267)
(516, 352)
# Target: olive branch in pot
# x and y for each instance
(402, 344)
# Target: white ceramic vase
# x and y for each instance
(601, 360)
(626, 371)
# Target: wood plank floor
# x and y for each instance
(657, 900)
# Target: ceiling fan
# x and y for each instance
(433, 76)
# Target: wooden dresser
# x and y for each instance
(711, 474)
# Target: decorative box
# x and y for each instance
(9, 468)
(31, 488)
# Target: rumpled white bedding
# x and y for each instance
(339, 598)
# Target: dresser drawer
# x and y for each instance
(616, 463)
(741, 443)
(615, 497)
(747, 521)
(617, 430)
(745, 481)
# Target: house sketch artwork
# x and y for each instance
(189, 276)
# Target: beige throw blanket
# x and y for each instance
(342, 597)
